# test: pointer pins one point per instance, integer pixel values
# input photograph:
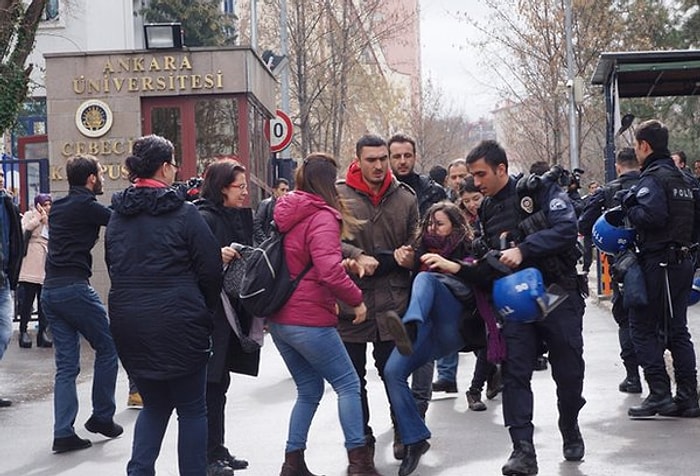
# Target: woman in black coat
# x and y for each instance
(165, 271)
(223, 194)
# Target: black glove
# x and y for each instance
(629, 198)
(387, 263)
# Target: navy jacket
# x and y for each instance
(165, 267)
(75, 226)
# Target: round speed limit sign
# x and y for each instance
(279, 131)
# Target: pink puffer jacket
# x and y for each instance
(313, 234)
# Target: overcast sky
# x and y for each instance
(449, 60)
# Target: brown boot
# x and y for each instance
(361, 462)
(294, 465)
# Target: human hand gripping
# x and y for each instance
(512, 257)
(352, 266)
(360, 314)
(228, 254)
(405, 256)
(368, 263)
(43, 216)
(437, 263)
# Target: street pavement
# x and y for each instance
(463, 442)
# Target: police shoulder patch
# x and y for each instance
(642, 192)
(557, 204)
(527, 204)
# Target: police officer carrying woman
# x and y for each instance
(534, 225)
(663, 210)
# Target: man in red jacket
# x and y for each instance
(389, 210)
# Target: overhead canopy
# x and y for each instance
(650, 73)
(630, 74)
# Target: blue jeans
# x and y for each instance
(6, 313)
(447, 367)
(186, 394)
(74, 310)
(313, 354)
(439, 315)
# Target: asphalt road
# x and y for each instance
(463, 443)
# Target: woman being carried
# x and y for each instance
(432, 320)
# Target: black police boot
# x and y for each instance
(631, 384)
(685, 403)
(573, 447)
(522, 461)
(658, 401)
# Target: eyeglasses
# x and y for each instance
(173, 163)
(241, 186)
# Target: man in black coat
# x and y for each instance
(10, 259)
(74, 309)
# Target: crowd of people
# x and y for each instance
(406, 262)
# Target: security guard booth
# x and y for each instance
(633, 74)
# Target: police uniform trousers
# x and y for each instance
(652, 332)
(621, 316)
(561, 331)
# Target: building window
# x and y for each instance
(229, 6)
(51, 11)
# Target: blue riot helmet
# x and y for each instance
(610, 234)
(522, 297)
(694, 296)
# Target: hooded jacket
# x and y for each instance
(165, 267)
(312, 233)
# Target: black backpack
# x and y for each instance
(260, 280)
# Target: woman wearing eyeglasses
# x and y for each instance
(165, 272)
(222, 199)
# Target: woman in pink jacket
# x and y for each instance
(304, 330)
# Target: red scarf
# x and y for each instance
(147, 182)
(355, 180)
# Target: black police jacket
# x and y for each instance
(552, 247)
(662, 208)
(605, 198)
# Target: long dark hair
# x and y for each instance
(317, 175)
(460, 224)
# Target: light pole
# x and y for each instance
(284, 74)
(254, 25)
(573, 126)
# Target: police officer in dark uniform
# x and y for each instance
(537, 224)
(663, 210)
(605, 198)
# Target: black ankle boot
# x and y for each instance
(573, 446)
(685, 403)
(631, 384)
(659, 400)
(43, 339)
(522, 461)
(25, 342)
